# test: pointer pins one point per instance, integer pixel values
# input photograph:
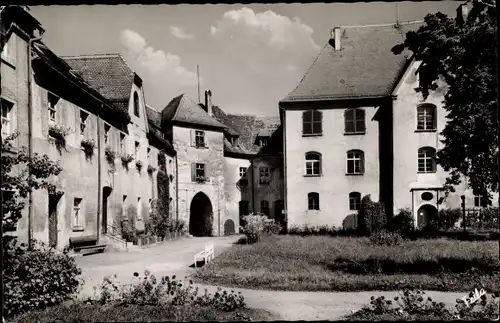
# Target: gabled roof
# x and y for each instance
(155, 130)
(185, 111)
(154, 117)
(364, 67)
(109, 74)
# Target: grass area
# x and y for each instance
(322, 263)
(80, 312)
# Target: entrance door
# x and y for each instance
(106, 191)
(53, 201)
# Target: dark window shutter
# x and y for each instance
(193, 172)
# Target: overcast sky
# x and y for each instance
(250, 56)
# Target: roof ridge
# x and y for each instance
(308, 70)
(178, 104)
(91, 55)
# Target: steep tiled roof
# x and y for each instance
(154, 117)
(155, 131)
(184, 110)
(364, 66)
(61, 66)
(109, 74)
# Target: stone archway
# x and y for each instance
(425, 214)
(201, 216)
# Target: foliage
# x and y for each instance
(386, 238)
(22, 175)
(158, 222)
(37, 278)
(449, 217)
(323, 263)
(151, 169)
(403, 222)
(483, 219)
(256, 225)
(59, 134)
(162, 161)
(129, 232)
(88, 146)
(148, 290)
(126, 159)
(308, 230)
(139, 165)
(177, 225)
(371, 216)
(413, 304)
(110, 156)
(462, 55)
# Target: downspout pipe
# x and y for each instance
(177, 188)
(30, 137)
(285, 197)
(99, 179)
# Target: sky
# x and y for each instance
(249, 56)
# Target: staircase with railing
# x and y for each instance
(114, 234)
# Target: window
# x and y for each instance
(200, 172)
(136, 150)
(83, 122)
(158, 159)
(354, 201)
(264, 207)
(150, 206)
(124, 204)
(199, 138)
(313, 164)
(354, 121)
(148, 153)
(264, 175)
(313, 201)
(427, 160)
(243, 172)
(263, 142)
(426, 117)
(139, 209)
(107, 128)
(122, 143)
(6, 117)
(52, 100)
(355, 162)
(480, 201)
(136, 104)
(77, 216)
(311, 122)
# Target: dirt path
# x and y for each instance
(176, 258)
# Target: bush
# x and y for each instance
(148, 290)
(37, 278)
(411, 305)
(403, 222)
(386, 238)
(256, 225)
(129, 232)
(371, 216)
(448, 218)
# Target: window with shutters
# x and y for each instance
(313, 164)
(199, 174)
(264, 175)
(426, 117)
(355, 162)
(354, 121)
(427, 160)
(312, 123)
(313, 201)
(264, 207)
(199, 138)
(7, 128)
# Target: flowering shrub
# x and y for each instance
(37, 278)
(126, 159)
(386, 238)
(110, 156)
(59, 134)
(256, 225)
(149, 290)
(414, 305)
(88, 146)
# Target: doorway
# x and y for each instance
(106, 192)
(53, 227)
(201, 216)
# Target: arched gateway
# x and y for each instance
(200, 216)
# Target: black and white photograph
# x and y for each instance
(177, 162)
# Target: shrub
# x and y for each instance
(177, 225)
(129, 233)
(448, 218)
(158, 223)
(371, 216)
(110, 155)
(484, 219)
(37, 278)
(386, 238)
(411, 305)
(256, 225)
(148, 290)
(88, 146)
(403, 222)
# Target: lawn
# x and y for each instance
(80, 312)
(323, 263)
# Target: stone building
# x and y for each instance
(354, 126)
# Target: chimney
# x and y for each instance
(335, 38)
(462, 12)
(208, 101)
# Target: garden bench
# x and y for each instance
(205, 255)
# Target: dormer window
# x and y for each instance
(136, 104)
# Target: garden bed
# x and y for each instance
(322, 263)
(145, 240)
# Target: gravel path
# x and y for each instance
(176, 257)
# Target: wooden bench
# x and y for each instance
(205, 255)
(86, 244)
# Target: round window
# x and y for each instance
(427, 196)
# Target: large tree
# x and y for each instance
(462, 53)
